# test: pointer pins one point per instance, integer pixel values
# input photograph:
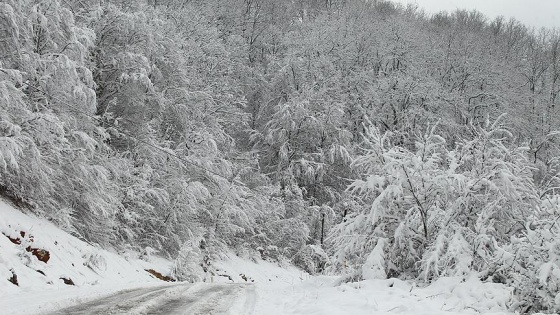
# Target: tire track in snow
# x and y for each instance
(119, 303)
(245, 301)
(189, 299)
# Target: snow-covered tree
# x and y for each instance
(450, 211)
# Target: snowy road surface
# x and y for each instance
(200, 298)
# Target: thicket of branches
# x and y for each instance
(347, 135)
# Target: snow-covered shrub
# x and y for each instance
(450, 254)
(374, 266)
(311, 258)
(147, 253)
(271, 252)
(402, 192)
(490, 197)
(433, 212)
(188, 264)
(95, 261)
(531, 261)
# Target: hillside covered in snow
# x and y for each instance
(365, 143)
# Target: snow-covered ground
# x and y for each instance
(94, 271)
(289, 291)
(271, 289)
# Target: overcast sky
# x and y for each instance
(537, 13)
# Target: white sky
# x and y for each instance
(537, 13)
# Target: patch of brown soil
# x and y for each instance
(41, 254)
(160, 276)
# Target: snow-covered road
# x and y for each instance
(200, 298)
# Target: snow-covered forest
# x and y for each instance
(350, 137)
